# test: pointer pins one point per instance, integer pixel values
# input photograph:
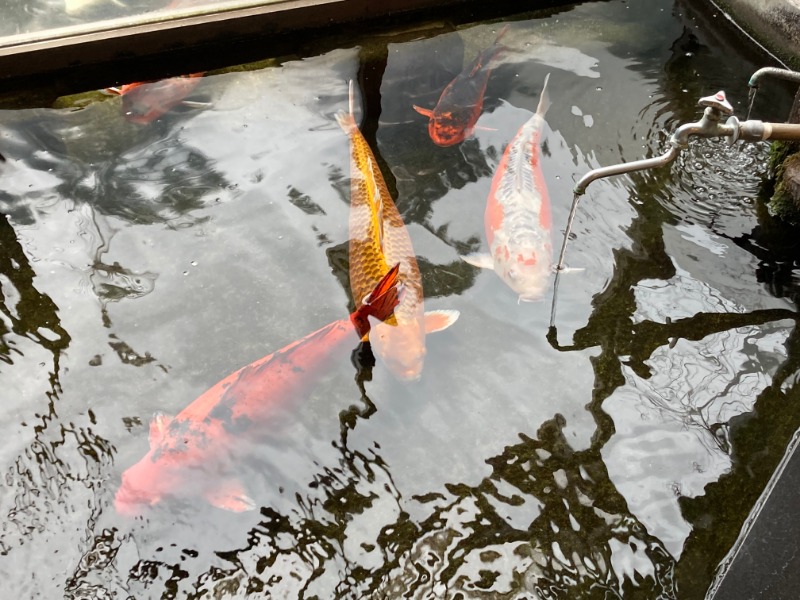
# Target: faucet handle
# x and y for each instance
(718, 101)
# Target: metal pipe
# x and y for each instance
(708, 126)
(773, 72)
(717, 106)
(754, 131)
(637, 165)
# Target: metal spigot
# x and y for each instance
(717, 101)
(710, 125)
(785, 74)
(717, 107)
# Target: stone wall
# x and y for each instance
(774, 23)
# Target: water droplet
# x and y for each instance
(194, 263)
(185, 273)
(598, 89)
(280, 237)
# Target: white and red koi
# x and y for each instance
(379, 238)
(517, 218)
(204, 436)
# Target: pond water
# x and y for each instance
(616, 455)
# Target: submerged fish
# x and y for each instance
(453, 118)
(143, 102)
(204, 436)
(517, 216)
(379, 238)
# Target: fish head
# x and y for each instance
(447, 128)
(144, 103)
(526, 270)
(140, 107)
(401, 347)
(144, 484)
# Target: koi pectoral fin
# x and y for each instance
(437, 320)
(231, 496)
(196, 104)
(425, 112)
(479, 259)
(567, 270)
(158, 427)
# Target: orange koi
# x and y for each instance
(517, 218)
(144, 102)
(204, 435)
(453, 118)
(379, 238)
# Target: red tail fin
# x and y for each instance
(379, 303)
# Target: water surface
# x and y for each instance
(615, 456)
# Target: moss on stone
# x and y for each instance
(783, 156)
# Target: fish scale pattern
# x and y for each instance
(378, 236)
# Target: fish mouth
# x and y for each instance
(411, 376)
(406, 373)
(131, 504)
(531, 298)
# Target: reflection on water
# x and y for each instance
(615, 455)
(41, 15)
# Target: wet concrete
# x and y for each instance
(767, 563)
(774, 23)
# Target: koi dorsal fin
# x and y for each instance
(544, 98)
(374, 195)
(351, 99)
(158, 427)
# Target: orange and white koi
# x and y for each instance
(144, 102)
(379, 238)
(453, 118)
(204, 436)
(517, 218)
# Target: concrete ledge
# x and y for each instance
(158, 44)
(773, 23)
(147, 35)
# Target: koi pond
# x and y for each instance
(615, 455)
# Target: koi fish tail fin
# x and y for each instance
(485, 58)
(347, 121)
(498, 47)
(544, 98)
(379, 303)
(502, 32)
